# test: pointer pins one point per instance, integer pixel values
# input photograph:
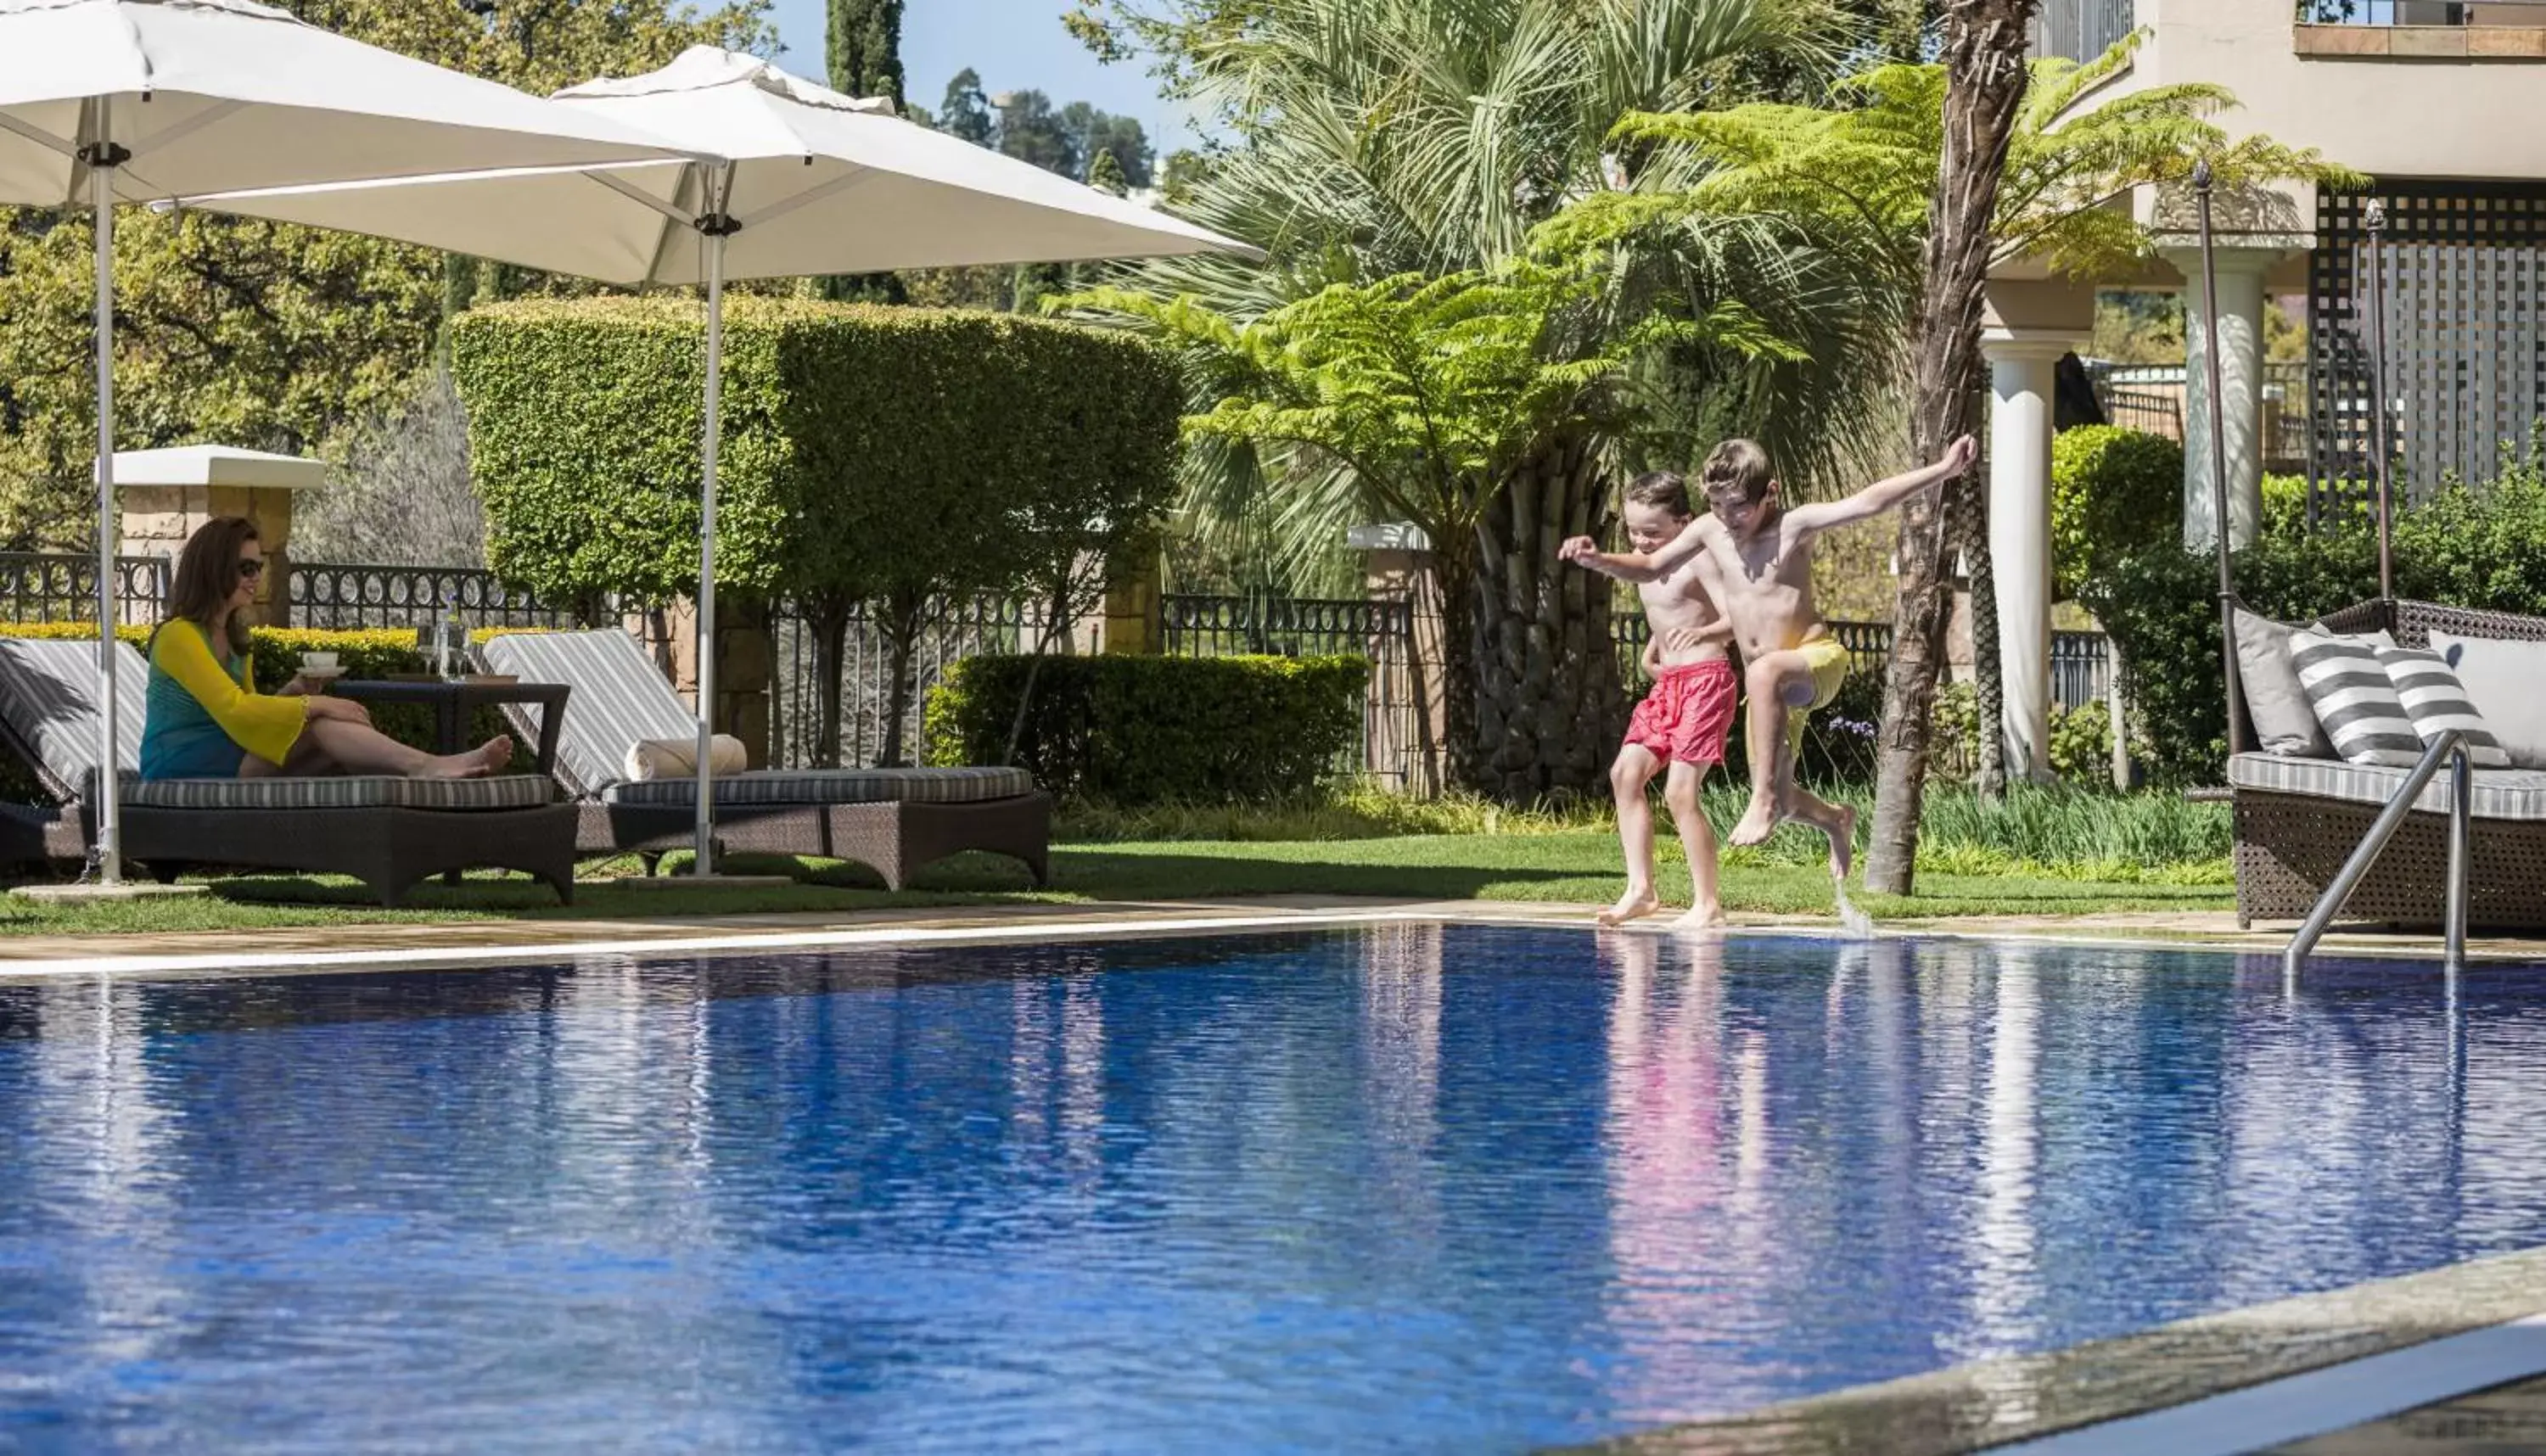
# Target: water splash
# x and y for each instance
(1855, 922)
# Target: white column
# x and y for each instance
(2241, 379)
(2023, 374)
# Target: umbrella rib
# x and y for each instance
(220, 111)
(640, 195)
(812, 195)
(37, 135)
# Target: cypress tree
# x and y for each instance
(866, 48)
(865, 45)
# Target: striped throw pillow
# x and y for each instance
(2436, 702)
(2355, 699)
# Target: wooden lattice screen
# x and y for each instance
(2465, 367)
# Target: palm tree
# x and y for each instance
(1381, 138)
(1857, 179)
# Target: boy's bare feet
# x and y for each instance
(1843, 840)
(496, 752)
(1701, 917)
(1758, 821)
(1635, 904)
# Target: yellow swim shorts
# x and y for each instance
(1829, 661)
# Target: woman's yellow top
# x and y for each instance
(181, 657)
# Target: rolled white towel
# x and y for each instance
(678, 758)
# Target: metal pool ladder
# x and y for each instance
(2450, 747)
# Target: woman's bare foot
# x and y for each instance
(1635, 904)
(1843, 840)
(485, 760)
(1701, 917)
(1758, 821)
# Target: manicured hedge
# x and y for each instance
(1136, 730)
(858, 441)
(2113, 491)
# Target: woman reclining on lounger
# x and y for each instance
(205, 719)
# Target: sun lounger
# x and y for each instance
(895, 820)
(388, 832)
(2298, 818)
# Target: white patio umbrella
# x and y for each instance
(803, 180)
(106, 100)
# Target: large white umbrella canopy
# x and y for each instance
(801, 180)
(103, 100)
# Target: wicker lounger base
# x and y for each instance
(391, 850)
(895, 838)
(37, 833)
(2289, 848)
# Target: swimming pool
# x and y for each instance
(1412, 1187)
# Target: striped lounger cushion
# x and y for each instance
(2438, 702)
(621, 698)
(360, 791)
(2355, 699)
(837, 786)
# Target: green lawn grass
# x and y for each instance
(1558, 866)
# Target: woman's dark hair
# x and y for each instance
(207, 575)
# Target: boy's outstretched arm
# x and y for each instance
(1886, 495)
(1582, 551)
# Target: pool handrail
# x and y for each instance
(2449, 747)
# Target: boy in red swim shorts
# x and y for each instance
(1684, 720)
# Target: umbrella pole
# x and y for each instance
(103, 157)
(2216, 409)
(716, 226)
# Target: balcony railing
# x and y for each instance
(2082, 29)
(2421, 12)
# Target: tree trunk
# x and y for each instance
(900, 644)
(1988, 676)
(1547, 701)
(1984, 50)
(831, 627)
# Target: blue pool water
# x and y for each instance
(1401, 1189)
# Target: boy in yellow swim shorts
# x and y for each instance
(1763, 552)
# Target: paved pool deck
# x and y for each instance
(507, 941)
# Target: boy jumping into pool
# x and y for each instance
(1682, 723)
(1763, 552)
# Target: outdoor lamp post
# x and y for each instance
(2201, 182)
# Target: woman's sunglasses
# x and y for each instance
(251, 569)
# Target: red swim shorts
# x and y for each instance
(1687, 714)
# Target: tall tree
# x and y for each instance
(1032, 132)
(1375, 138)
(966, 112)
(1856, 176)
(263, 335)
(1441, 402)
(1984, 81)
(865, 46)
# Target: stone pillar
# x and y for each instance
(1411, 723)
(745, 664)
(1134, 614)
(156, 520)
(2023, 366)
(2241, 377)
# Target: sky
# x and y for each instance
(1016, 46)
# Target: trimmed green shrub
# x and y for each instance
(2113, 491)
(1136, 730)
(860, 442)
